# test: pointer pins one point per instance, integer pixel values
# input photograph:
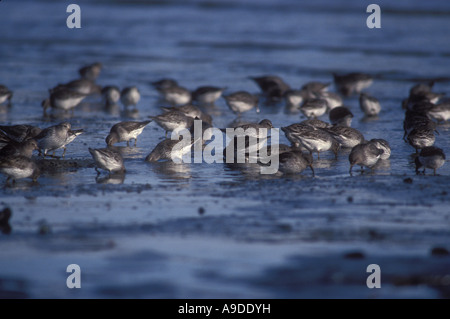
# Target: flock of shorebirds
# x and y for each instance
(424, 110)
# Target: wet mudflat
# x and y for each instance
(165, 230)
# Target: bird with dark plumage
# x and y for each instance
(347, 137)
(5, 94)
(207, 95)
(130, 96)
(53, 138)
(91, 71)
(107, 159)
(18, 167)
(430, 157)
(175, 95)
(81, 86)
(173, 121)
(24, 148)
(172, 150)
(295, 162)
(63, 99)
(352, 83)
(313, 108)
(364, 155)
(272, 86)
(242, 101)
(125, 131)
(369, 105)
(341, 115)
(110, 94)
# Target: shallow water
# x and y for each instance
(216, 231)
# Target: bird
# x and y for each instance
(191, 111)
(252, 129)
(430, 157)
(352, 83)
(18, 167)
(19, 132)
(107, 159)
(294, 162)
(242, 101)
(364, 155)
(168, 149)
(71, 135)
(313, 108)
(125, 131)
(81, 86)
(64, 99)
(164, 83)
(314, 140)
(53, 138)
(207, 95)
(382, 145)
(110, 94)
(341, 115)
(130, 95)
(272, 86)
(312, 88)
(440, 112)
(175, 95)
(173, 121)
(24, 148)
(5, 94)
(316, 123)
(293, 98)
(347, 137)
(369, 105)
(421, 137)
(331, 98)
(91, 71)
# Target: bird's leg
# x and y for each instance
(312, 169)
(64, 153)
(98, 172)
(318, 155)
(135, 141)
(351, 166)
(128, 143)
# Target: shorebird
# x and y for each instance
(272, 86)
(364, 155)
(130, 96)
(18, 167)
(63, 99)
(175, 95)
(173, 121)
(207, 95)
(313, 108)
(19, 132)
(382, 145)
(168, 149)
(111, 95)
(107, 159)
(24, 148)
(430, 157)
(191, 111)
(352, 83)
(91, 71)
(369, 105)
(347, 137)
(81, 86)
(242, 101)
(164, 83)
(5, 94)
(125, 131)
(295, 162)
(53, 138)
(421, 137)
(341, 115)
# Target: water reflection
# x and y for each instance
(172, 171)
(114, 179)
